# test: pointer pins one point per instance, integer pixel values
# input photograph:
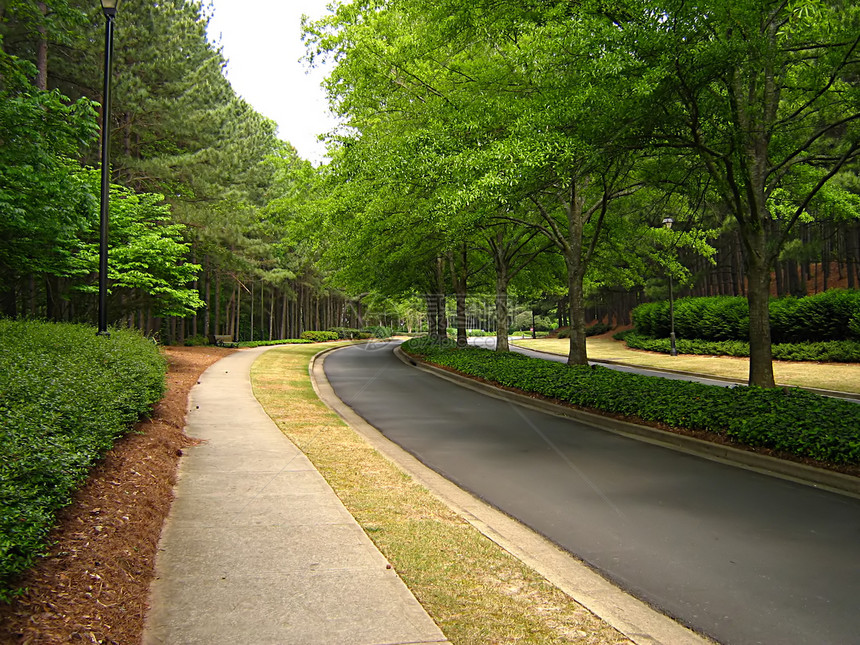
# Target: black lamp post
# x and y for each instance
(109, 8)
(667, 223)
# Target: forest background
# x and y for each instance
(525, 148)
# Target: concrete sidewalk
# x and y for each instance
(259, 549)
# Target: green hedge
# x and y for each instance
(320, 336)
(267, 343)
(65, 397)
(834, 351)
(832, 315)
(793, 420)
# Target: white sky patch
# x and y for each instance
(262, 41)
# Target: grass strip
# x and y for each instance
(475, 590)
(841, 377)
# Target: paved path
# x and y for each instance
(258, 548)
(489, 342)
(740, 556)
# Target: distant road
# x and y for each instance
(739, 556)
(490, 343)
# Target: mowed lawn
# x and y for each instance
(842, 377)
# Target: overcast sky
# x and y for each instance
(262, 42)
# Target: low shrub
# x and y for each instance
(788, 420)
(834, 351)
(65, 396)
(266, 343)
(379, 331)
(196, 341)
(319, 336)
(346, 333)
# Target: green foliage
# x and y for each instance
(826, 316)
(147, 255)
(823, 316)
(65, 396)
(791, 421)
(44, 201)
(379, 331)
(320, 336)
(267, 343)
(347, 333)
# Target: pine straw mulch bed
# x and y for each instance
(93, 585)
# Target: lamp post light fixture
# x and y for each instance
(109, 7)
(667, 223)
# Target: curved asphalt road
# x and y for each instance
(739, 556)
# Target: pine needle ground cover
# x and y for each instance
(65, 396)
(473, 589)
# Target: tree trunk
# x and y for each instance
(573, 259)
(217, 303)
(577, 354)
(459, 278)
(502, 308)
(207, 313)
(758, 296)
(42, 50)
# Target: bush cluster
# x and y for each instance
(792, 420)
(350, 333)
(319, 336)
(267, 343)
(834, 351)
(379, 331)
(65, 396)
(828, 316)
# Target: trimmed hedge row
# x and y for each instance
(65, 396)
(320, 336)
(792, 421)
(267, 343)
(834, 351)
(350, 333)
(831, 315)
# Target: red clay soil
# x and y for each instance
(93, 585)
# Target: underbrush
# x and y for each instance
(65, 396)
(833, 351)
(320, 336)
(788, 420)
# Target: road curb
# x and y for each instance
(799, 473)
(635, 619)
